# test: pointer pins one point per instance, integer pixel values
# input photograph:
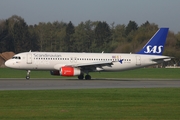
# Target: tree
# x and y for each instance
(83, 36)
(4, 38)
(17, 34)
(69, 41)
(102, 36)
(34, 39)
(132, 26)
(88, 36)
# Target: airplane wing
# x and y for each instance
(102, 63)
(93, 65)
(89, 66)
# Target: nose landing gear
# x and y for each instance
(28, 75)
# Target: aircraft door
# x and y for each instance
(29, 58)
(138, 60)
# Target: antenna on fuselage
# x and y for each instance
(30, 51)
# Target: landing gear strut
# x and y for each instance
(28, 75)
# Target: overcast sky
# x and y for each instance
(165, 13)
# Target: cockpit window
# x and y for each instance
(16, 57)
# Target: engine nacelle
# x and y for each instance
(69, 71)
(66, 71)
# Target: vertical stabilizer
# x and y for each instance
(155, 45)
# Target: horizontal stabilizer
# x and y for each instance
(164, 58)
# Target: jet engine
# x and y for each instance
(66, 71)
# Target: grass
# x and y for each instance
(169, 73)
(109, 104)
(98, 104)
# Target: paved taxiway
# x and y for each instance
(46, 84)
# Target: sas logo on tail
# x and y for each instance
(155, 49)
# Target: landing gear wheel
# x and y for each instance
(88, 77)
(81, 77)
(28, 75)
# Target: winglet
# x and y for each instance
(155, 45)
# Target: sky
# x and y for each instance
(164, 13)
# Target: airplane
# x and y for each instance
(78, 64)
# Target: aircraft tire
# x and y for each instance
(81, 77)
(88, 77)
(27, 77)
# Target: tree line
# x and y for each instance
(88, 36)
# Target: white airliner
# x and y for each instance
(78, 64)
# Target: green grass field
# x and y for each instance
(91, 104)
(96, 104)
(168, 73)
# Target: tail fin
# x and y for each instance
(155, 45)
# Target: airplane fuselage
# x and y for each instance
(56, 60)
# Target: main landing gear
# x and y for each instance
(87, 77)
(28, 75)
(81, 77)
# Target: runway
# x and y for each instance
(48, 84)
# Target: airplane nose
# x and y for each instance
(8, 63)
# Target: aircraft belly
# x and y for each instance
(44, 67)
